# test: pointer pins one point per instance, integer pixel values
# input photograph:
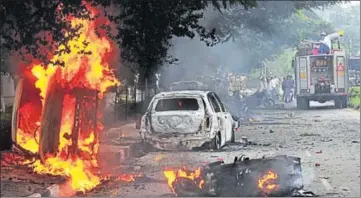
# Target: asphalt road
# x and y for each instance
(323, 135)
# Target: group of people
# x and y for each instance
(274, 85)
(271, 85)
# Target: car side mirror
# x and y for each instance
(138, 119)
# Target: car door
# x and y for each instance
(228, 122)
(220, 116)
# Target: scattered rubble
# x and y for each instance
(324, 177)
(18, 180)
(309, 134)
(326, 140)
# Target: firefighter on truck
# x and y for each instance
(320, 72)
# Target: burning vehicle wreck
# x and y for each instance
(187, 119)
(277, 176)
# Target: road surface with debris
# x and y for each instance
(326, 139)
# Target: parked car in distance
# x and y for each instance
(187, 119)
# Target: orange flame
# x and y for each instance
(88, 70)
(173, 175)
(266, 182)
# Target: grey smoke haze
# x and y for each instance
(193, 55)
(233, 56)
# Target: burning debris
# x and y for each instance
(278, 176)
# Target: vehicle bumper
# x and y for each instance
(184, 142)
(323, 96)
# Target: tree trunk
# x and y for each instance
(51, 119)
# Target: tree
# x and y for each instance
(31, 24)
(146, 27)
(345, 18)
(23, 21)
(261, 32)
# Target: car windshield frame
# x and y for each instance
(176, 107)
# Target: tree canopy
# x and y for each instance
(248, 38)
(346, 18)
(145, 27)
(263, 31)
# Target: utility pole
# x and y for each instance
(350, 47)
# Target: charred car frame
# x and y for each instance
(187, 119)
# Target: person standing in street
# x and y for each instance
(272, 87)
(284, 87)
(289, 85)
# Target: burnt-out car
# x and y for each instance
(187, 119)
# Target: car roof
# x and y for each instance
(181, 93)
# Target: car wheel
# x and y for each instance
(303, 103)
(338, 103)
(216, 142)
(344, 101)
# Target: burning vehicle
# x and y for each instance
(273, 176)
(187, 119)
(56, 120)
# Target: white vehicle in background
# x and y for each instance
(187, 119)
(187, 85)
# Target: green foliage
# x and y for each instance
(347, 19)
(146, 27)
(354, 97)
(281, 65)
(307, 25)
(22, 21)
(261, 32)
